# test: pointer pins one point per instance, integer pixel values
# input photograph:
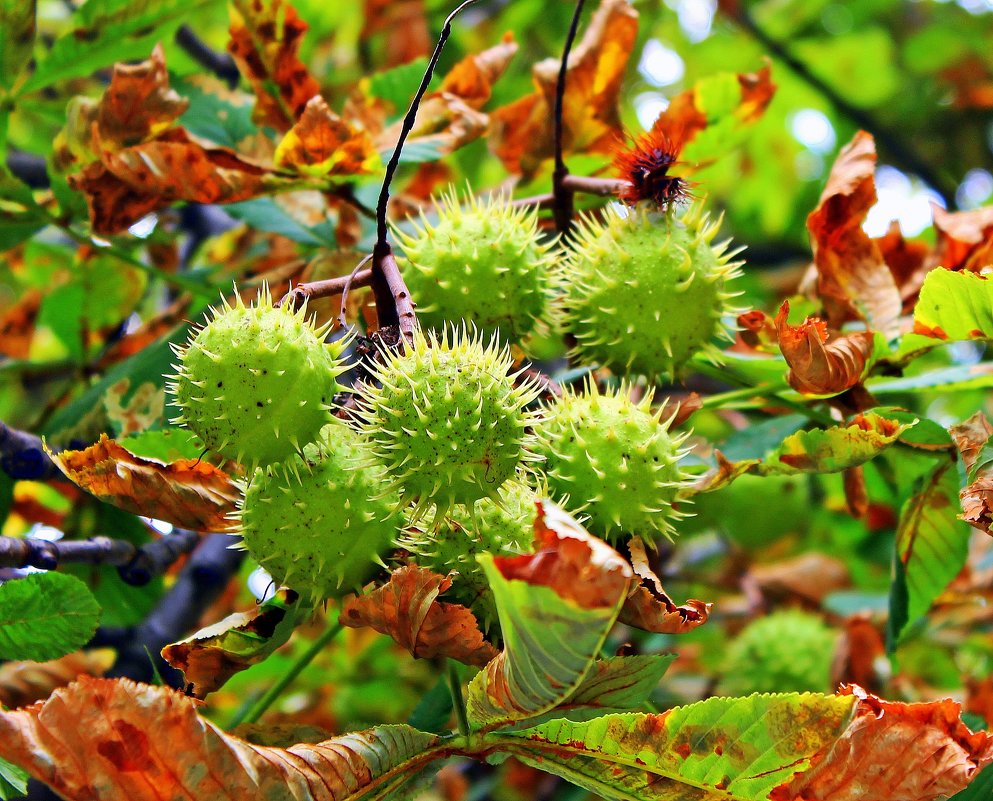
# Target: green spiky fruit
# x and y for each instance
(642, 294)
(320, 523)
(788, 651)
(256, 382)
(447, 421)
(615, 459)
(482, 263)
(498, 527)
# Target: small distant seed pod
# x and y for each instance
(256, 382)
(644, 293)
(616, 460)
(481, 262)
(320, 523)
(447, 420)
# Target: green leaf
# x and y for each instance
(264, 214)
(955, 306)
(44, 616)
(734, 748)
(164, 445)
(17, 31)
(550, 644)
(981, 788)
(13, 781)
(20, 216)
(215, 112)
(621, 682)
(931, 547)
(110, 31)
(396, 86)
(949, 379)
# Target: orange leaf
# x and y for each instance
(187, 493)
(965, 238)
(405, 25)
(321, 143)
(407, 609)
(649, 608)
(102, 739)
(265, 41)
(853, 280)
(127, 184)
(977, 496)
(23, 683)
(473, 77)
(908, 261)
(819, 366)
(893, 752)
(522, 135)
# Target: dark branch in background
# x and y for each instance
(393, 304)
(562, 207)
(29, 167)
(903, 154)
(136, 565)
(23, 458)
(200, 582)
(221, 64)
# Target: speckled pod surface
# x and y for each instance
(256, 382)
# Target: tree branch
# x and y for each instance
(136, 565)
(221, 64)
(902, 153)
(562, 206)
(23, 457)
(200, 582)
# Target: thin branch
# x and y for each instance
(563, 204)
(23, 457)
(604, 187)
(221, 64)
(29, 167)
(201, 581)
(327, 288)
(136, 565)
(902, 153)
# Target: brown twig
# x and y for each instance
(562, 207)
(604, 187)
(329, 287)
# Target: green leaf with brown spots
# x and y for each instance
(954, 306)
(721, 748)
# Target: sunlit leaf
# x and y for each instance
(853, 280)
(408, 610)
(215, 653)
(555, 608)
(954, 306)
(188, 493)
(101, 738)
(45, 616)
(321, 143)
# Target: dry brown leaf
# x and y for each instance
(809, 577)
(965, 239)
(569, 560)
(648, 606)
(265, 41)
(17, 324)
(522, 136)
(187, 493)
(853, 279)
(407, 609)
(894, 752)
(859, 652)
(819, 365)
(907, 259)
(102, 739)
(321, 143)
(977, 496)
(23, 683)
(406, 27)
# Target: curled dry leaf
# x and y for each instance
(522, 137)
(648, 606)
(321, 143)
(215, 653)
(23, 683)
(407, 609)
(99, 739)
(187, 493)
(908, 260)
(853, 280)
(893, 752)
(820, 365)
(808, 577)
(265, 42)
(965, 239)
(977, 496)
(860, 650)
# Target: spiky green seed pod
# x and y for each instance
(643, 293)
(320, 523)
(447, 421)
(502, 527)
(788, 651)
(482, 263)
(615, 459)
(256, 382)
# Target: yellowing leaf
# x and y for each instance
(103, 739)
(838, 448)
(954, 306)
(187, 493)
(321, 143)
(408, 610)
(522, 135)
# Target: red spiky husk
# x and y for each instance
(645, 165)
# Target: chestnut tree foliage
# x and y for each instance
(498, 399)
